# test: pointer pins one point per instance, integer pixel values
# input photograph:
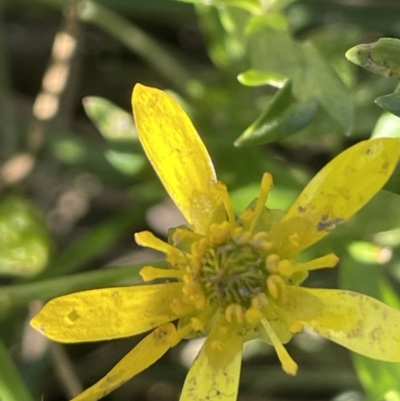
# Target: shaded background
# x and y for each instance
(73, 192)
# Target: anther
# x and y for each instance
(294, 239)
(176, 307)
(219, 233)
(260, 241)
(259, 301)
(285, 268)
(197, 324)
(253, 315)
(198, 248)
(243, 238)
(272, 262)
(234, 313)
(198, 299)
(277, 288)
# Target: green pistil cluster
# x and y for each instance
(232, 273)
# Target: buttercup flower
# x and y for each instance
(231, 278)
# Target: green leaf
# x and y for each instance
(12, 386)
(254, 77)
(381, 57)
(24, 239)
(388, 125)
(390, 103)
(113, 123)
(249, 5)
(380, 379)
(127, 163)
(282, 117)
(313, 79)
(223, 29)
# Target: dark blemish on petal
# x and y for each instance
(369, 151)
(385, 165)
(72, 317)
(328, 225)
(301, 209)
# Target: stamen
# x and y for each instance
(234, 313)
(288, 364)
(294, 239)
(277, 288)
(253, 315)
(197, 324)
(272, 263)
(285, 268)
(176, 306)
(323, 262)
(265, 188)
(198, 248)
(260, 241)
(243, 238)
(259, 301)
(219, 233)
(198, 299)
(149, 273)
(226, 200)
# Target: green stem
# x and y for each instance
(20, 294)
(12, 387)
(136, 40)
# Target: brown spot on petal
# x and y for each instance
(301, 209)
(358, 330)
(376, 334)
(328, 225)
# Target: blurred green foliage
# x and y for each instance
(270, 77)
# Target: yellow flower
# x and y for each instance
(231, 278)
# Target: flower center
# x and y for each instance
(235, 266)
(231, 273)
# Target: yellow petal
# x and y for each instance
(148, 351)
(215, 373)
(177, 154)
(357, 322)
(338, 191)
(108, 313)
